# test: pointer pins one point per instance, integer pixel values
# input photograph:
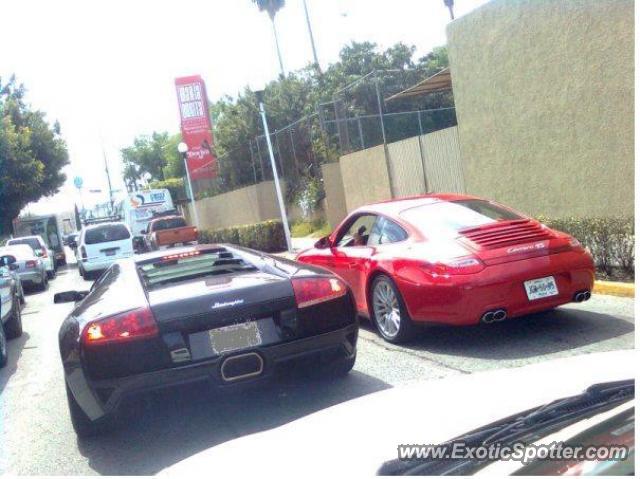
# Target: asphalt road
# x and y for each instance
(36, 436)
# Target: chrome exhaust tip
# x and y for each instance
(487, 317)
(586, 296)
(241, 366)
(499, 315)
(580, 296)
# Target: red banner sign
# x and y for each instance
(195, 125)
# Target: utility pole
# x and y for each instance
(313, 43)
(106, 169)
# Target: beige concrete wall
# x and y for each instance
(407, 171)
(365, 177)
(335, 202)
(247, 205)
(443, 161)
(544, 93)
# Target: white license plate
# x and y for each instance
(541, 288)
(234, 337)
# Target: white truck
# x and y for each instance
(140, 207)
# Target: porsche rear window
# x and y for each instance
(449, 217)
(179, 267)
(106, 233)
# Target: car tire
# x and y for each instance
(82, 425)
(13, 327)
(4, 355)
(388, 311)
(44, 284)
(342, 367)
(51, 274)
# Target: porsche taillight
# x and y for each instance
(128, 326)
(455, 266)
(310, 291)
(30, 264)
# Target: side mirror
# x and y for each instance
(7, 261)
(144, 232)
(323, 243)
(69, 296)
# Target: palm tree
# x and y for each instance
(272, 7)
(449, 5)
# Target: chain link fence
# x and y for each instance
(357, 118)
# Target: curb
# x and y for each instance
(613, 288)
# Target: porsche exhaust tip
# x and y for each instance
(493, 316)
(241, 366)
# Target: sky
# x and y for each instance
(105, 69)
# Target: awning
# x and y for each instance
(441, 81)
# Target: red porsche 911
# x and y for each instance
(451, 259)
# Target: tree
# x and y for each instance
(32, 154)
(272, 7)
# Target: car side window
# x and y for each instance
(357, 234)
(386, 231)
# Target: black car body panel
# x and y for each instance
(100, 375)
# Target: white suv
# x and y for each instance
(102, 244)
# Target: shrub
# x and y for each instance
(611, 241)
(316, 228)
(267, 236)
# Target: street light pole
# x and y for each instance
(276, 179)
(182, 149)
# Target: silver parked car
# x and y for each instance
(31, 269)
(41, 249)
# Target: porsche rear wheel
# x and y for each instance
(389, 312)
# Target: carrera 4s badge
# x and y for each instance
(530, 247)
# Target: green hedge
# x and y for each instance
(267, 236)
(610, 240)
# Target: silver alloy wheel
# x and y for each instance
(386, 309)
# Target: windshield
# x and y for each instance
(449, 217)
(32, 242)
(106, 233)
(174, 270)
(168, 223)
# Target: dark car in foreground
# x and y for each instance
(213, 313)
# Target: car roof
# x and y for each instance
(18, 249)
(395, 206)
(38, 237)
(99, 225)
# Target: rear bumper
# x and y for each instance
(102, 263)
(462, 300)
(100, 398)
(31, 277)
